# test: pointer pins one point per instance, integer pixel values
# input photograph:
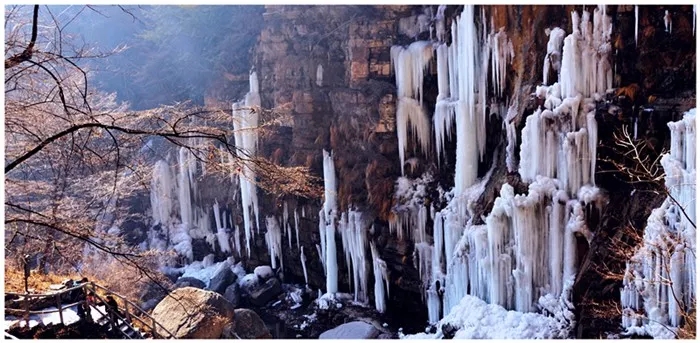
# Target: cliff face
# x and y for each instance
(328, 70)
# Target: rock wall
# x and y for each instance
(350, 110)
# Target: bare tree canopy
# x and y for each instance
(75, 156)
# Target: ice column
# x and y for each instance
(328, 221)
(381, 280)
(409, 65)
(245, 122)
(660, 277)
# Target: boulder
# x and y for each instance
(264, 272)
(266, 292)
(352, 330)
(193, 313)
(233, 294)
(189, 282)
(222, 278)
(249, 283)
(247, 325)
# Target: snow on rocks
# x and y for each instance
(352, 330)
(264, 272)
(475, 319)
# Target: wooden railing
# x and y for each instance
(130, 306)
(90, 288)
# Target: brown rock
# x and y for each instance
(193, 313)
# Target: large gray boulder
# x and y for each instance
(265, 292)
(189, 282)
(352, 330)
(223, 278)
(233, 294)
(247, 325)
(193, 313)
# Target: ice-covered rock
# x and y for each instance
(264, 272)
(352, 330)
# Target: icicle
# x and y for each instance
(381, 280)
(245, 121)
(319, 75)
(184, 196)
(668, 23)
(636, 23)
(296, 225)
(273, 239)
(303, 266)
(328, 222)
(161, 193)
(409, 65)
(553, 58)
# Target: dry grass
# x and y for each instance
(14, 279)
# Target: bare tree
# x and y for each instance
(73, 154)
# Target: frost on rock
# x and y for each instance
(659, 282)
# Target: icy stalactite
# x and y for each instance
(440, 23)
(552, 61)
(221, 234)
(502, 55)
(636, 24)
(327, 224)
(668, 23)
(296, 225)
(409, 67)
(184, 187)
(303, 266)
(245, 122)
(273, 239)
(162, 187)
(319, 75)
(381, 280)
(237, 235)
(285, 223)
(669, 244)
(354, 240)
(410, 111)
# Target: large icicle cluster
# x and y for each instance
(659, 283)
(354, 240)
(524, 256)
(409, 65)
(245, 122)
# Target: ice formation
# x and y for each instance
(273, 239)
(221, 233)
(245, 122)
(552, 61)
(668, 23)
(659, 282)
(381, 280)
(354, 241)
(636, 23)
(525, 253)
(409, 66)
(327, 223)
(319, 75)
(303, 266)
